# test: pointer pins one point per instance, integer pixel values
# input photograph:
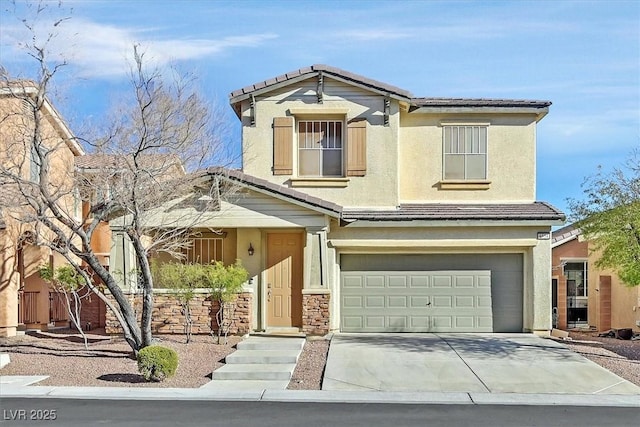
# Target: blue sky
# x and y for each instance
(582, 56)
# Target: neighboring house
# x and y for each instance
(583, 295)
(361, 208)
(26, 301)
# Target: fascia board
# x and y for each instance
(454, 223)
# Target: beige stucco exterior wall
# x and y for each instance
(15, 137)
(511, 147)
(380, 185)
(537, 295)
(9, 284)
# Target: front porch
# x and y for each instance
(281, 244)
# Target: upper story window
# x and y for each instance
(326, 149)
(465, 152)
(320, 148)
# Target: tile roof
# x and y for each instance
(406, 212)
(479, 102)
(262, 184)
(458, 211)
(565, 234)
(238, 95)
(98, 161)
(244, 93)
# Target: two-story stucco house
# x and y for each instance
(362, 208)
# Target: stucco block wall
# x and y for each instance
(168, 318)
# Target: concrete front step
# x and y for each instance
(244, 371)
(270, 343)
(263, 356)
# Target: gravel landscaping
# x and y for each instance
(622, 357)
(108, 362)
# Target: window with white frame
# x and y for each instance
(204, 250)
(465, 152)
(320, 148)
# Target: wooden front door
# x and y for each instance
(284, 279)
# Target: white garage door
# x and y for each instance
(431, 293)
(409, 301)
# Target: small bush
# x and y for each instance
(156, 363)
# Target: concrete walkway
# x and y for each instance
(473, 363)
(268, 395)
(259, 363)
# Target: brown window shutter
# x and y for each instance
(357, 148)
(282, 145)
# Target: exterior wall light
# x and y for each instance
(251, 250)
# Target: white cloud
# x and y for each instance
(99, 50)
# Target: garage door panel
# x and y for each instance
(485, 323)
(375, 322)
(465, 302)
(484, 302)
(419, 281)
(375, 301)
(397, 322)
(420, 323)
(484, 282)
(374, 282)
(352, 282)
(397, 302)
(464, 281)
(442, 301)
(442, 282)
(457, 293)
(419, 301)
(397, 281)
(452, 306)
(349, 301)
(352, 322)
(466, 323)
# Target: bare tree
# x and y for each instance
(146, 155)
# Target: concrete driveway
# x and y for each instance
(491, 363)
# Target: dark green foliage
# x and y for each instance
(609, 217)
(156, 363)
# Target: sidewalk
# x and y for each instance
(15, 387)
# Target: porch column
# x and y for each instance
(315, 293)
(123, 261)
(540, 303)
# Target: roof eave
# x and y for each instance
(539, 112)
(467, 222)
(58, 122)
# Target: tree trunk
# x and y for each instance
(129, 322)
(147, 288)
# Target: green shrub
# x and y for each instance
(156, 363)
